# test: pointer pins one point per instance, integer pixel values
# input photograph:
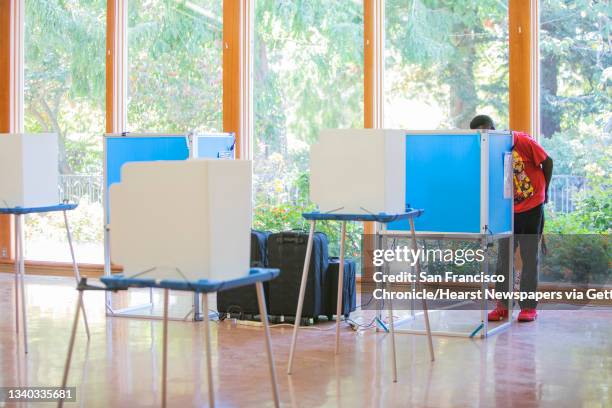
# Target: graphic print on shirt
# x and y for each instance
(523, 189)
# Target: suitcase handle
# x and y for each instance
(289, 239)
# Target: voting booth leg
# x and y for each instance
(19, 281)
(165, 350)
(298, 312)
(209, 373)
(75, 268)
(75, 323)
(264, 320)
(425, 309)
(340, 286)
(392, 330)
(16, 277)
(484, 320)
(390, 315)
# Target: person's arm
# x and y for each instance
(547, 168)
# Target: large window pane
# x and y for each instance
(308, 76)
(64, 94)
(175, 65)
(445, 61)
(576, 120)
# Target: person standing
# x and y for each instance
(532, 168)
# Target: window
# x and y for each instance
(65, 94)
(175, 65)
(308, 75)
(576, 131)
(445, 62)
(575, 121)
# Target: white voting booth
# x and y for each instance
(122, 148)
(357, 175)
(29, 175)
(182, 219)
(28, 170)
(184, 225)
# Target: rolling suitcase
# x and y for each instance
(349, 291)
(242, 302)
(287, 252)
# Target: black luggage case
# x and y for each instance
(349, 292)
(242, 302)
(287, 252)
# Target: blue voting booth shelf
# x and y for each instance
(122, 148)
(463, 179)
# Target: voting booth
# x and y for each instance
(29, 176)
(463, 179)
(120, 149)
(28, 170)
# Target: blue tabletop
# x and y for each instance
(120, 282)
(382, 217)
(32, 210)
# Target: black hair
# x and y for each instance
(482, 122)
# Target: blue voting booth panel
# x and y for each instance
(124, 149)
(214, 146)
(443, 176)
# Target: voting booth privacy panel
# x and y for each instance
(28, 170)
(463, 180)
(355, 171)
(184, 219)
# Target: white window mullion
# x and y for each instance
(120, 78)
(17, 66)
(246, 78)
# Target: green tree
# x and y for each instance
(65, 77)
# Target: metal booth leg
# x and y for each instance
(211, 386)
(425, 310)
(340, 286)
(298, 313)
(17, 273)
(71, 344)
(264, 320)
(75, 268)
(484, 321)
(165, 351)
(20, 271)
(391, 322)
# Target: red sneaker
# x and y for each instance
(498, 314)
(527, 315)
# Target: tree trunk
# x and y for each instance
(550, 121)
(460, 73)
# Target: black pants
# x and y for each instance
(528, 228)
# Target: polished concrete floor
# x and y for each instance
(562, 360)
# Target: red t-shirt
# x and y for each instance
(529, 181)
